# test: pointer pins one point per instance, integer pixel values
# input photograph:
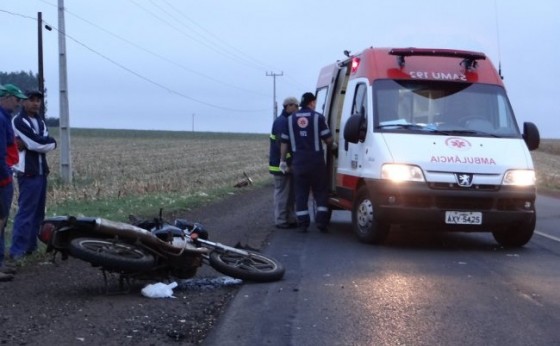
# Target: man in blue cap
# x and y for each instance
(284, 196)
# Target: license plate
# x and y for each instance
(463, 217)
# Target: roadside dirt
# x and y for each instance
(67, 304)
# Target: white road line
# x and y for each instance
(548, 236)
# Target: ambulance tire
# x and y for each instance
(518, 235)
(364, 224)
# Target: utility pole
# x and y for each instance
(41, 86)
(274, 105)
(40, 60)
(65, 158)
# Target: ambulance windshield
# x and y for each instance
(442, 107)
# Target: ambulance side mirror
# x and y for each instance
(353, 130)
(531, 135)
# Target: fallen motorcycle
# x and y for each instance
(152, 249)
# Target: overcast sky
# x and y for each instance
(182, 64)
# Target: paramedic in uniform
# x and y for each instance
(284, 197)
(304, 132)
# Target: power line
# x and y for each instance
(218, 50)
(170, 90)
(161, 56)
(18, 15)
(213, 36)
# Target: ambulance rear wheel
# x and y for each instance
(364, 223)
(518, 235)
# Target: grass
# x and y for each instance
(116, 172)
(547, 165)
(550, 146)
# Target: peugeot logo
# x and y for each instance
(464, 179)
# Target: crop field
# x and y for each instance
(120, 165)
(547, 164)
(112, 164)
(116, 171)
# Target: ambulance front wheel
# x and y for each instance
(364, 223)
(518, 235)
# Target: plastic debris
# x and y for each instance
(210, 283)
(159, 290)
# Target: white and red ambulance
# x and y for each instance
(427, 138)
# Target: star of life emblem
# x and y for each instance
(302, 122)
(464, 179)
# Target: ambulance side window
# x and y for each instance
(321, 96)
(359, 107)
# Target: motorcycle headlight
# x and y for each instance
(519, 177)
(400, 172)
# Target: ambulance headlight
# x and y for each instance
(399, 172)
(520, 177)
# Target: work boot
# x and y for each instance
(6, 277)
(7, 269)
(13, 262)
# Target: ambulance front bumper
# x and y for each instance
(431, 205)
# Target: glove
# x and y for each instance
(283, 167)
(334, 146)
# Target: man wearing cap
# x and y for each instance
(304, 132)
(10, 96)
(284, 196)
(31, 171)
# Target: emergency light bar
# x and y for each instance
(469, 58)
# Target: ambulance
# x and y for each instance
(427, 139)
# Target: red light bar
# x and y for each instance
(450, 53)
(355, 64)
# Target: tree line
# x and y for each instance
(27, 81)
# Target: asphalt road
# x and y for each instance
(417, 289)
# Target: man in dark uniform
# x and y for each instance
(304, 132)
(284, 197)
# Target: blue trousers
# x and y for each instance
(311, 178)
(6, 196)
(30, 214)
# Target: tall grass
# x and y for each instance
(117, 172)
(547, 164)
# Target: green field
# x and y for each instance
(122, 172)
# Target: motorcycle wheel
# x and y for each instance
(111, 255)
(255, 267)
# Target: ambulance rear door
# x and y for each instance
(331, 91)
